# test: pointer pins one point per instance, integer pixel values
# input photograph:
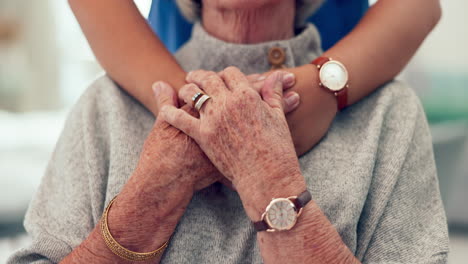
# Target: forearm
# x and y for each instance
(142, 218)
(127, 48)
(383, 42)
(374, 53)
(312, 240)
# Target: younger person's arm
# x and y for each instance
(131, 54)
(374, 53)
(127, 48)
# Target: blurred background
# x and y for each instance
(45, 65)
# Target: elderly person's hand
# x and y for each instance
(291, 99)
(177, 152)
(171, 168)
(248, 140)
(245, 137)
(310, 124)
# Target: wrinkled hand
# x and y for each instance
(170, 152)
(291, 98)
(245, 137)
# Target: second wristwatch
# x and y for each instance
(334, 77)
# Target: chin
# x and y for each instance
(241, 4)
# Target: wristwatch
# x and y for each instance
(282, 213)
(333, 77)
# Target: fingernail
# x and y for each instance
(157, 89)
(292, 99)
(289, 79)
(261, 78)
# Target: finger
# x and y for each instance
(181, 120)
(272, 91)
(164, 94)
(234, 78)
(187, 92)
(289, 80)
(254, 77)
(257, 86)
(208, 81)
(291, 101)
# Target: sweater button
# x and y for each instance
(276, 57)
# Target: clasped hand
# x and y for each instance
(239, 134)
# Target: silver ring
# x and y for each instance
(201, 102)
(196, 97)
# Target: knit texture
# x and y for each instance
(373, 175)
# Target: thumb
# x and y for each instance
(164, 95)
(272, 90)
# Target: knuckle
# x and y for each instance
(210, 73)
(211, 79)
(197, 75)
(184, 90)
(232, 69)
(164, 111)
(178, 114)
(188, 91)
(191, 87)
(250, 94)
(165, 99)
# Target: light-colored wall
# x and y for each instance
(29, 62)
(446, 49)
(49, 64)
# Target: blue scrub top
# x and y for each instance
(335, 19)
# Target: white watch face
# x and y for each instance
(334, 75)
(281, 214)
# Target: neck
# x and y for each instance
(274, 21)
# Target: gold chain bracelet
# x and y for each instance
(118, 249)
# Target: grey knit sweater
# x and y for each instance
(373, 174)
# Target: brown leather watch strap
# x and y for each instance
(299, 202)
(342, 98)
(320, 61)
(261, 226)
(302, 200)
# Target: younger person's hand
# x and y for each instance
(291, 99)
(312, 119)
